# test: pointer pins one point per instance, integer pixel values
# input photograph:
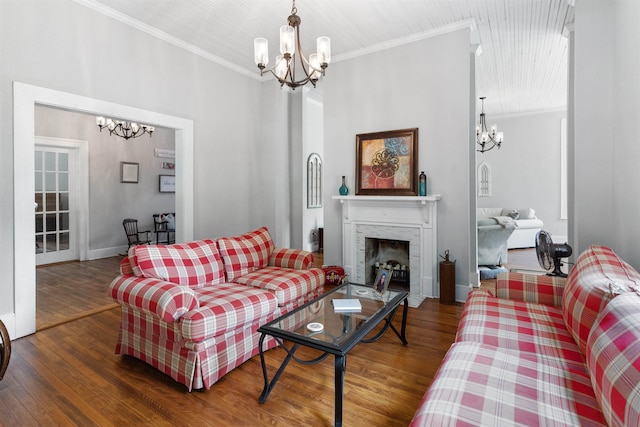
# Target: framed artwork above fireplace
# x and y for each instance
(387, 163)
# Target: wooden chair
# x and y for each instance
(135, 237)
(163, 228)
(5, 349)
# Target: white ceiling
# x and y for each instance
(522, 68)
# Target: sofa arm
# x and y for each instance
(125, 266)
(291, 258)
(165, 300)
(540, 289)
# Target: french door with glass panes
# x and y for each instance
(56, 229)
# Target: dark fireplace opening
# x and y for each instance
(390, 254)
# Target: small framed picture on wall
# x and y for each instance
(167, 183)
(129, 172)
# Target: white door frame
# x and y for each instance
(80, 198)
(25, 98)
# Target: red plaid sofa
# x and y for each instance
(545, 351)
(191, 310)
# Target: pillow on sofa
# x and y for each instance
(246, 253)
(194, 264)
(522, 213)
(613, 358)
(513, 214)
(598, 275)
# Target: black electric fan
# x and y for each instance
(549, 253)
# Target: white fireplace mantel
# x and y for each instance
(412, 218)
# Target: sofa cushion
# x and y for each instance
(489, 222)
(226, 307)
(285, 283)
(598, 275)
(482, 385)
(291, 258)
(246, 253)
(194, 264)
(525, 213)
(613, 357)
(527, 327)
(484, 213)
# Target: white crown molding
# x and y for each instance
(456, 26)
(568, 29)
(139, 25)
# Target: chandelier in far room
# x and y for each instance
(124, 129)
(487, 140)
(289, 61)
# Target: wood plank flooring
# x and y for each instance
(69, 290)
(69, 375)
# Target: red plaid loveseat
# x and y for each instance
(191, 310)
(545, 352)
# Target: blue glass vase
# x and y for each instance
(344, 190)
(422, 184)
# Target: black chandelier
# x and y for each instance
(487, 140)
(285, 67)
(123, 129)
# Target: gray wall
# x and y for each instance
(424, 84)
(525, 172)
(110, 201)
(313, 142)
(605, 201)
(241, 167)
(65, 46)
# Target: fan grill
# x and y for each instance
(549, 253)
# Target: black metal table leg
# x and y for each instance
(405, 312)
(268, 386)
(340, 368)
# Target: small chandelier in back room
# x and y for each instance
(485, 139)
(286, 65)
(126, 130)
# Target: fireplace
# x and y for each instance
(405, 228)
(392, 255)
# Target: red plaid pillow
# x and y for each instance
(613, 357)
(246, 253)
(599, 275)
(291, 258)
(194, 264)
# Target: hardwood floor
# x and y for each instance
(70, 290)
(69, 375)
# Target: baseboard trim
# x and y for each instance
(107, 252)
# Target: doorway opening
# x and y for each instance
(25, 99)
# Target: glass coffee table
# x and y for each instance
(317, 325)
